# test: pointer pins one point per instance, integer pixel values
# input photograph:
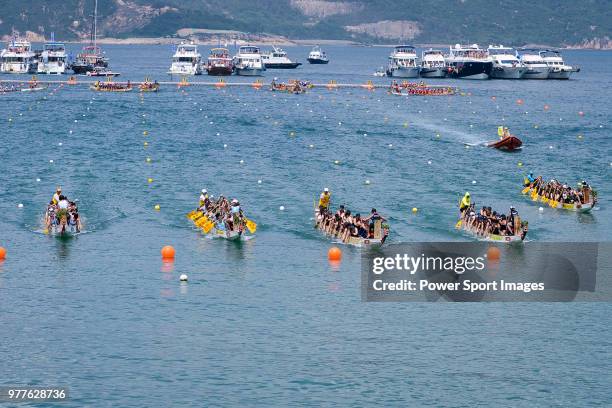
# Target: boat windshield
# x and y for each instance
(249, 50)
(54, 47)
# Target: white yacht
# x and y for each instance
(248, 61)
(468, 61)
(317, 56)
(186, 60)
(433, 64)
(506, 64)
(403, 62)
(558, 69)
(18, 58)
(52, 59)
(535, 66)
(277, 59)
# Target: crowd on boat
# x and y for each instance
(62, 214)
(346, 226)
(556, 191)
(224, 215)
(292, 86)
(488, 223)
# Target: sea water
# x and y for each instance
(268, 321)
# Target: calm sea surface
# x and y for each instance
(268, 321)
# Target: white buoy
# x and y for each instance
(259, 181)
(367, 182)
(51, 161)
(183, 278)
(224, 146)
(365, 134)
(75, 121)
(336, 161)
(38, 180)
(428, 161)
(218, 134)
(70, 131)
(282, 208)
(19, 205)
(473, 181)
(541, 209)
(311, 146)
(210, 123)
(241, 161)
(550, 147)
(390, 144)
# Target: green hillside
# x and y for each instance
(514, 22)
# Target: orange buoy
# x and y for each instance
(334, 254)
(2, 254)
(167, 253)
(493, 253)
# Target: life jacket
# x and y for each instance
(324, 200)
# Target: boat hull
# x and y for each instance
(501, 72)
(249, 71)
(219, 71)
(536, 73)
(317, 61)
(561, 74)
(506, 239)
(508, 143)
(470, 70)
(403, 72)
(287, 65)
(439, 72)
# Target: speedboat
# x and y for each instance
(219, 62)
(508, 143)
(403, 62)
(317, 56)
(506, 64)
(186, 60)
(536, 67)
(248, 61)
(558, 69)
(52, 59)
(277, 59)
(433, 64)
(17, 58)
(468, 62)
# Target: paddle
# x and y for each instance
(207, 226)
(458, 224)
(525, 190)
(251, 226)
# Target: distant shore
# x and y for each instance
(269, 39)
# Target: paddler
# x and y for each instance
(203, 197)
(324, 200)
(464, 204)
(529, 179)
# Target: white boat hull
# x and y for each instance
(250, 71)
(51, 69)
(501, 72)
(16, 68)
(185, 70)
(439, 72)
(404, 72)
(560, 74)
(536, 73)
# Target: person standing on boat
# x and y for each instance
(372, 218)
(56, 196)
(203, 197)
(324, 200)
(464, 204)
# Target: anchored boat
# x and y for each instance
(186, 60)
(433, 64)
(277, 59)
(248, 61)
(403, 62)
(220, 62)
(317, 56)
(17, 58)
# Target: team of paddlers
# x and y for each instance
(62, 214)
(420, 88)
(349, 227)
(556, 191)
(223, 215)
(488, 223)
(292, 86)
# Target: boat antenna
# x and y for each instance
(95, 30)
